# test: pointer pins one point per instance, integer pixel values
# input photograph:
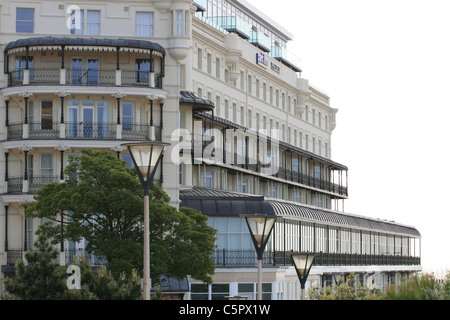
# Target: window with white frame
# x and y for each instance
(46, 165)
(199, 58)
(144, 24)
(180, 16)
(206, 178)
(127, 115)
(77, 22)
(47, 114)
(272, 191)
(218, 68)
(20, 64)
(209, 63)
(242, 185)
(296, 196)
(232, 233)
(93, 22)
(25, 20)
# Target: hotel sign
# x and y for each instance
(275, 67)
(261, 60)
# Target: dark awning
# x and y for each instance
(89, 42)
(325, 216)
(197, 103)
(219, 203)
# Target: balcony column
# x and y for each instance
(118, 109)
(26, 110)
(257, 152)
(62, 125)
(61, 174)
(161, 177)
(26, 72)
(118, 71)
(25, 238)
(25, 133)
(26, 185)
(152, 134)
(6, 172)
(6, 226)
(62, 254)
(61, 148)
(62, 72)
(151, 74)
(161, 105)
(6, 111)
(118, 96)
(118, 149)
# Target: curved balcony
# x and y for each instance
(84, 77)
(83, 130)
(85, 65)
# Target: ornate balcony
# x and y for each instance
(83, 130)
(30, 65)
(84, 77)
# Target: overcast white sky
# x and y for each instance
(386, 66)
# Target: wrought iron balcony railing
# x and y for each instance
(84, 77)
(90, 130)
(84, 130)
(247, 258)
(71, 255)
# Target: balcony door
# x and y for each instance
(72, 130)
(20, 64)
(46, 168)
(84, 72)
(102, 119)
(47, 115)
(142, 70)
(88, 119)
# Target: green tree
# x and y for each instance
(344, 289)
(40, 278)
(102, 202)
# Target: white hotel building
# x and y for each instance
(99, 73)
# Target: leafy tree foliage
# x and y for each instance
(40, 278)
(102, 202)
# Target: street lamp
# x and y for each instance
(302, 263)
(146, 157)
(260, 227)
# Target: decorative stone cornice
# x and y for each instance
(62, 147)
(25, 147)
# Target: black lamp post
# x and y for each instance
(260, 227)
(302, 263)
(146, 157)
